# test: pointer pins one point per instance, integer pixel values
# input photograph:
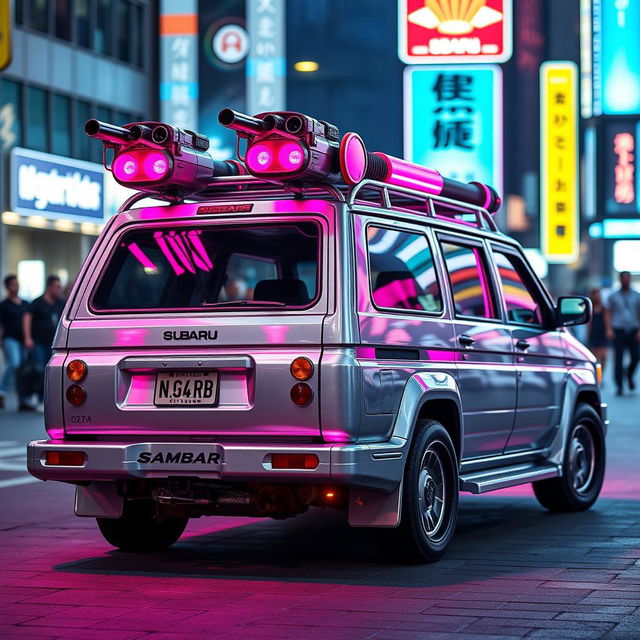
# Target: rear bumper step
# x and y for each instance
(353, 465)
(493, 479)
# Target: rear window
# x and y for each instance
(212, 267)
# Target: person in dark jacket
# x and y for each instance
(597, 332)
(12, 310)
(40, 323)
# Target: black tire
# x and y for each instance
(431, 474)
(582, 469)
(138, 528)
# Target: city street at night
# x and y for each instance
(512, 571)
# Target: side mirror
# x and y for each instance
(573, 310)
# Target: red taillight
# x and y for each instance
(76, 395)
(301, 368)
(301, 394)
(65, 458)
(276, 156)
(294, 461)
(76, 370)
(141, 165)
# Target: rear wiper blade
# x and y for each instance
(245, 303)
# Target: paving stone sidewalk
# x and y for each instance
(513, 571)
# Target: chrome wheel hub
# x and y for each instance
(432, 491)
(582, 458)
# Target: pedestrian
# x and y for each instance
(40, 322)
(622, 320)
(12, 310)
(596, 331)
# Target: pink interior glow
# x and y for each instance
(162, 243)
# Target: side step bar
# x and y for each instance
(493, 479)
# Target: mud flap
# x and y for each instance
(98, 500)
(375, 508)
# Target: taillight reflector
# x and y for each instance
(301, 394)
(76, 370)
(76, 395)
(294, 461)
(65, 458)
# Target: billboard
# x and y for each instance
(616, 57)
(560, 209)
(453, 121)
(443, 31)
(55, 187)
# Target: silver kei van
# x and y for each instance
(262, 349)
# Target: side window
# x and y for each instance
(523, 303)
(243, 273)
(402, 271)
(470, 286)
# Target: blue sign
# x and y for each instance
(453, 121)
(56, 187)
(616, 57)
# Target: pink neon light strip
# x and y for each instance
(179, 251)
(196, 242)
(162, 243)
(142, 257)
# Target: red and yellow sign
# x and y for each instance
(559, 204)
(441, 31)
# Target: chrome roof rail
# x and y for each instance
(453, 208)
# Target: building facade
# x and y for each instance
(71, 60)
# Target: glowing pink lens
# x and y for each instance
(124, 167)
(156, 165)
(290, 156)
(259, 157)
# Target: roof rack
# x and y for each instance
(366, 192)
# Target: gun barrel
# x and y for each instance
(107, 132)
(240, 121)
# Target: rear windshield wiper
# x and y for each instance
(243, 303)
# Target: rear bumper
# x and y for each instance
(378, 465)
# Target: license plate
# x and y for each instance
(186, 388)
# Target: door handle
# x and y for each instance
(466, 340)
(523, 345)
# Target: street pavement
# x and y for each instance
(513, 570)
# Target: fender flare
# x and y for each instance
(380, 508)
(420, 389)
(578, 380)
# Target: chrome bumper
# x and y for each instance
(379, 465)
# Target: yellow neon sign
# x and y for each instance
(559, 202)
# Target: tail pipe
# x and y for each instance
(241, 122)
(107, 132)
(401, 173)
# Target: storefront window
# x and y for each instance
(10, 114)
(61, 126)
(62, 21)
(139, 30)
(104, 27)
(83, 22)
(36, 124)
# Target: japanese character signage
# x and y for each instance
(560, 210)
(441, 31)
(178, 63)
(453, 121)
(621, 177)
(266, 65)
